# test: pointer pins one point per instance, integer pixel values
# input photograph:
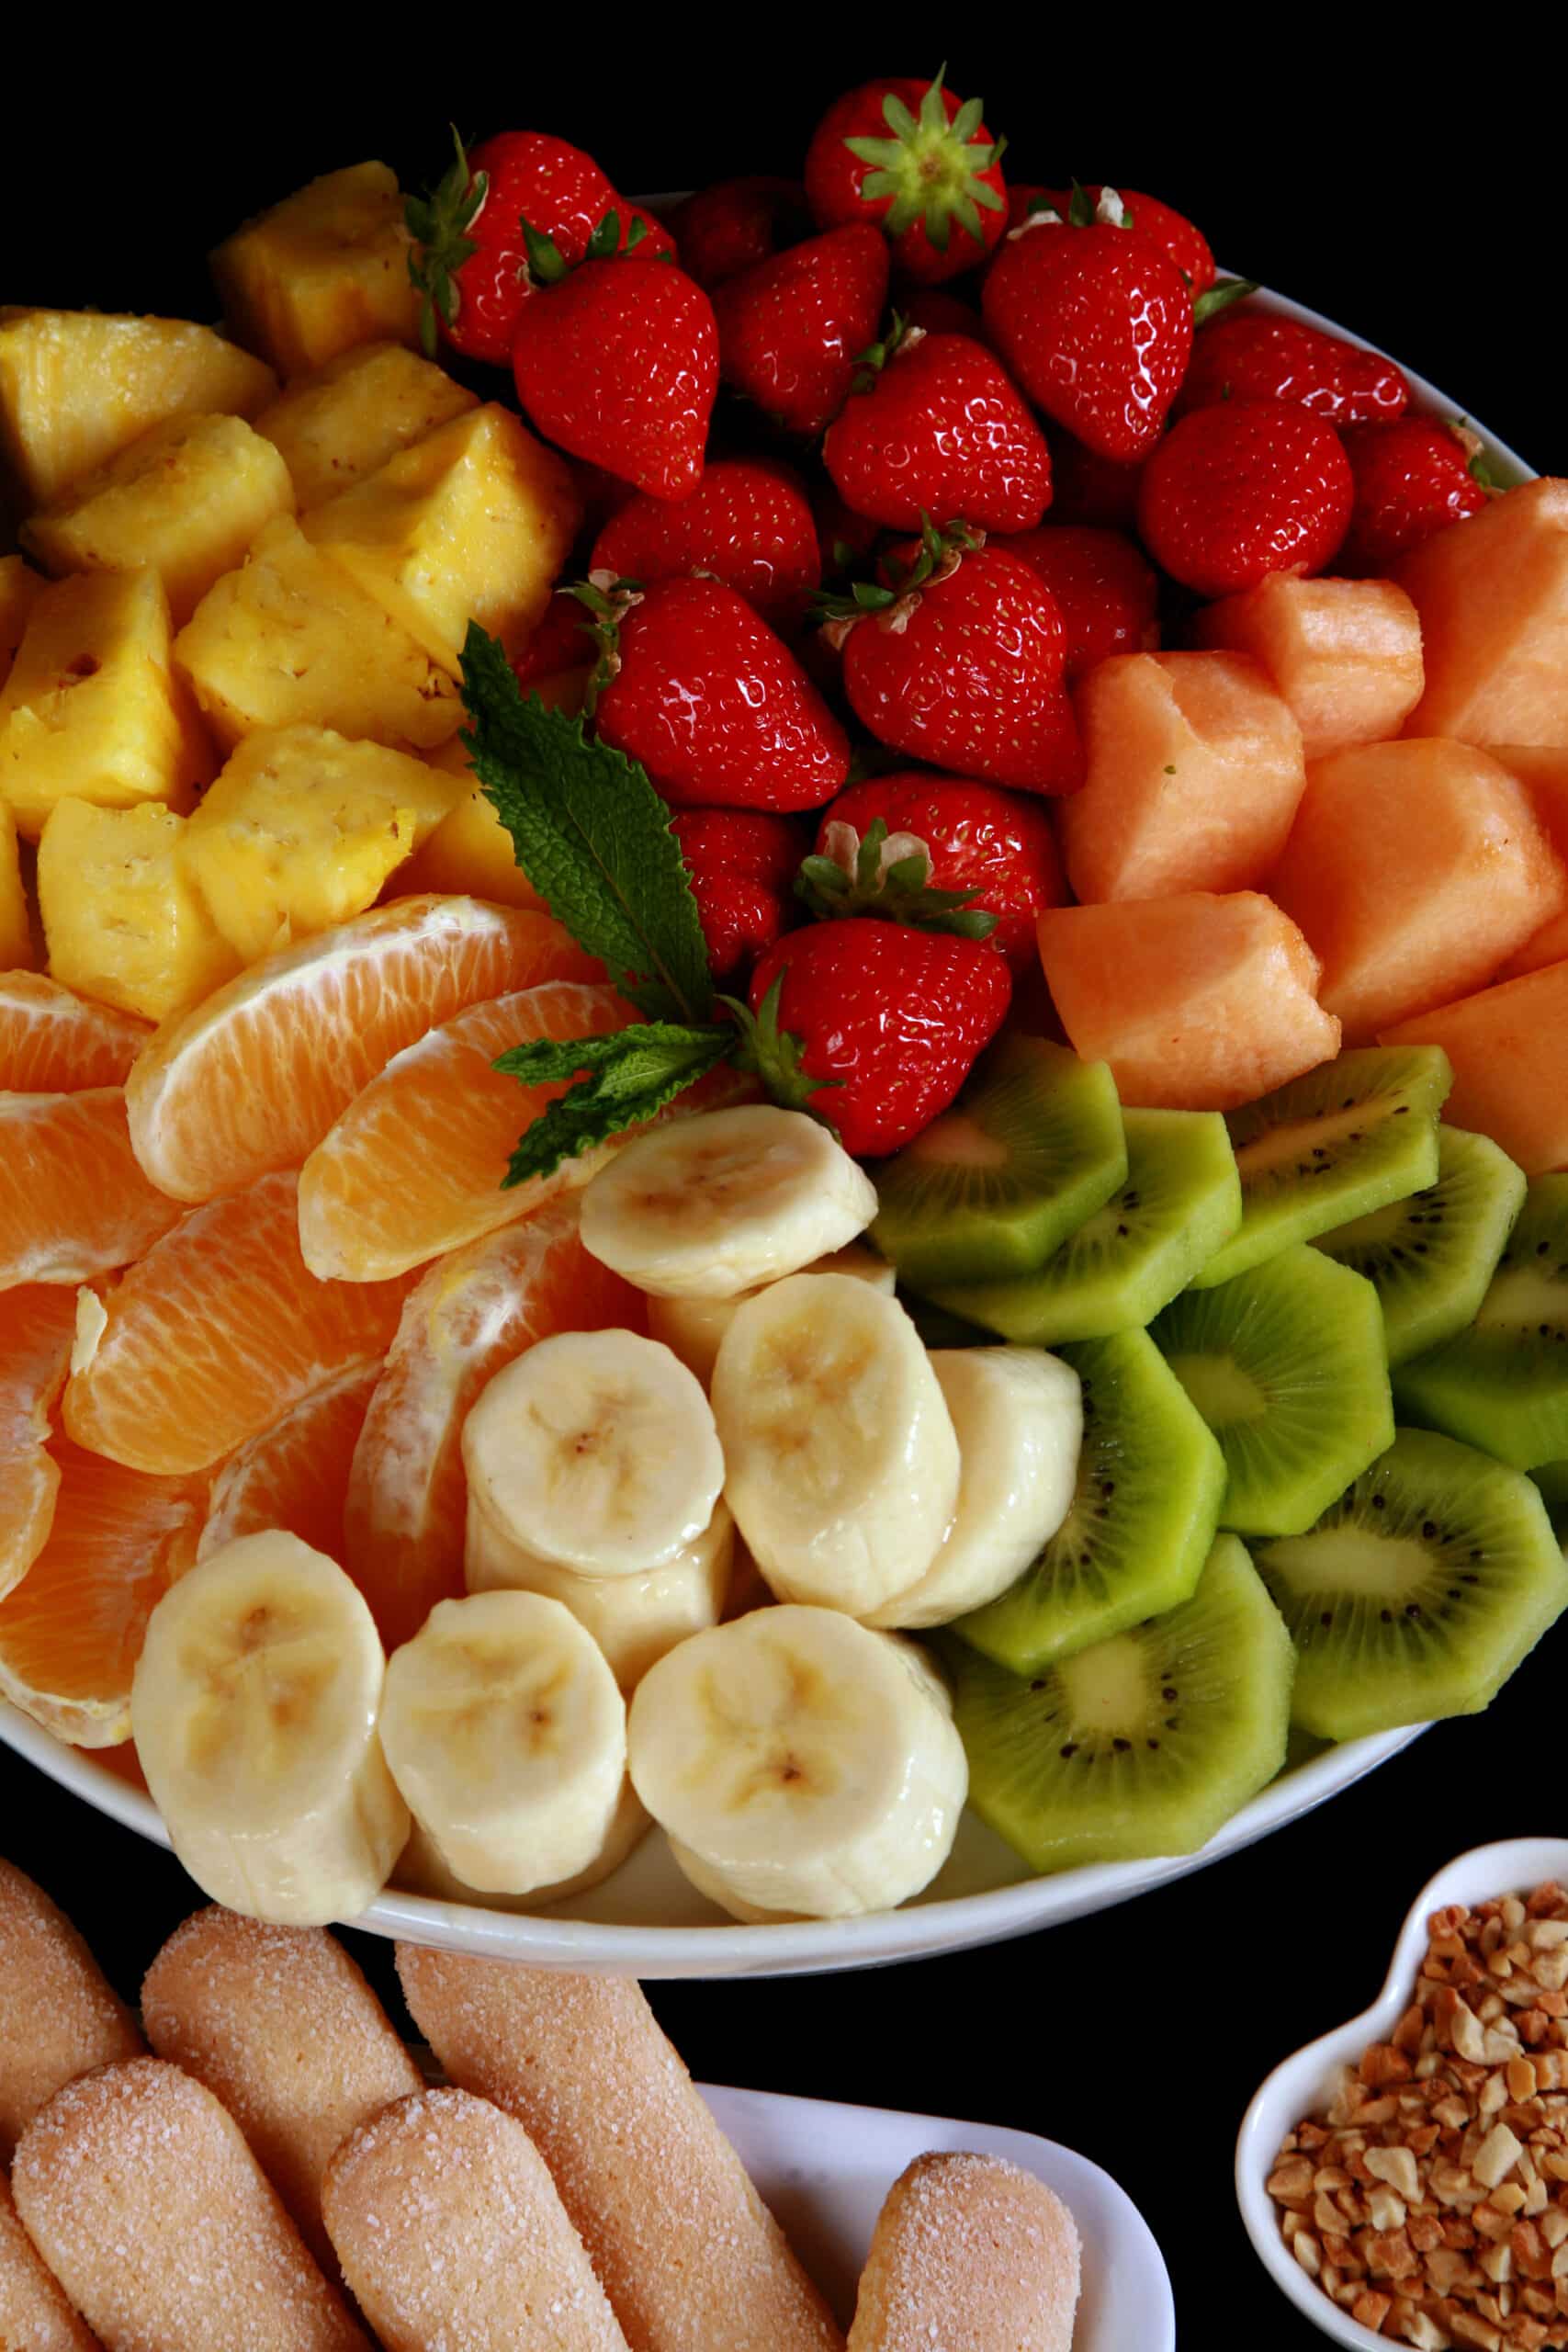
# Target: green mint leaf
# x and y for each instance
(632, 1074)
(591, 835)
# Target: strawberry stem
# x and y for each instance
(856, 876)
(439, 223)
(774, 1054)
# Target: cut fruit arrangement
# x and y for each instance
(805, 1066)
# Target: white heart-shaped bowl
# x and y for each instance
(1304, 2084)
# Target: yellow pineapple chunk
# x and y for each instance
(17, 954)
(302, 829)
(470, 853)
(338, 425)
(187, 498)
(121, 922)
(20, 587)
(78, 386)
(290, 640)
(472, 523)
(91, 708)
(324, 270)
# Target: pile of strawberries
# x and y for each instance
(877, 464)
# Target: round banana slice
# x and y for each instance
(843, 1465)
(694, 1327)
(596, 1450)
(810, 1765)
(255, 1708)
(707, 1207)
(422, 1871)
(635, 1620)
(506, 1732)
(1019, 1415)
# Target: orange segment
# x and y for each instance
(472, 1313)
(51, 1041)
(217, 1333)
(37, 1325)
(415, 1166)
(251, 1078)
(71, 1632)
(295, 1475)
(72, 1201)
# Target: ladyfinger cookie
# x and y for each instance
(34, 2313)
(58, 2016)
(968, 2253)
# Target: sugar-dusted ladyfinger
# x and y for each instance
(969, 2253)
(58, 2016)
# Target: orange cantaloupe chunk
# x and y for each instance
(1194, 768)
(1542, 769)
(1415, 869)
(1199, 1002)
(1546, 945)
(1508, 1045)
(1492, 596)
(1344, 654)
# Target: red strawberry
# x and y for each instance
(469, 257)
(1087, 488)
(1096, 323)
(1170, 230)
(748, 524)
(919, 161)
(619, 364)
(563, 641)
(935, 427)
(742, 863)
(876, 1025)
(996, 846)
(942, 313)
(959, 661)
(1413, 477)
(842, 536)
(1247, 354)
(1235, 493)
(790, 330)
(714, 705)
(1106, 593)
(726, 227)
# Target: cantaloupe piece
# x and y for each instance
(1508, 1045)
(1194, 768)
(1199, 1002)
(1492, 596)
(1546, 945)
(1345, 654)
(1414, 868)
(1542, 769)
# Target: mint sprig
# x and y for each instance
(631, 1076)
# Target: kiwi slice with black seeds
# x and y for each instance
(1144, 1513)
(1033, 1147)
(1180, 1202)
(1331, 1145)
(1551, 1479)
(1419, 1592)
(1143, 1744)
(1502, 1383)
(1286, 1364)
(1431, 1256)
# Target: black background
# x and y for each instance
(1404, 184)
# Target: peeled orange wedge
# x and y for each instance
(295, 1475)
(37, 1324)
(215, 1334)
(52, 1040)
(250, 1080)
(73, 1202)
(414, 1165)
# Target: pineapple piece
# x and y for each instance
(16, 951)
(20, 588)
(324, 270)
(91, 708)
(76, 387)
(290, 640)
(302, 829)
(470, 853)
(187, 498)
(120, 919)
(473, 521)
(338, 425)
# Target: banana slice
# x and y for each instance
(707, 1207)
(253, 1708)
(810, 1765)
(505, 1730)
(694, 1327)
(1019, 1415)
(422, 1871)
(635, 1620)
(596, 1450)
(842, 1460)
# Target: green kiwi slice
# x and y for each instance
(1145, 1742)
(1180, 1202)
(1502, 1383)
(1419, 1592)
(1431, 1256)
(1331, 1145)
(1551, 1477)
(994, 1185)
(1285, 1362)
(1144, 1513)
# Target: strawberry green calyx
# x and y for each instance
(547, 265)
(608, 599)
(929, 170)
(439, 223)
(886, 875)
(773, 1053)
(1219, 296)
(893, 597)
(869, 363)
